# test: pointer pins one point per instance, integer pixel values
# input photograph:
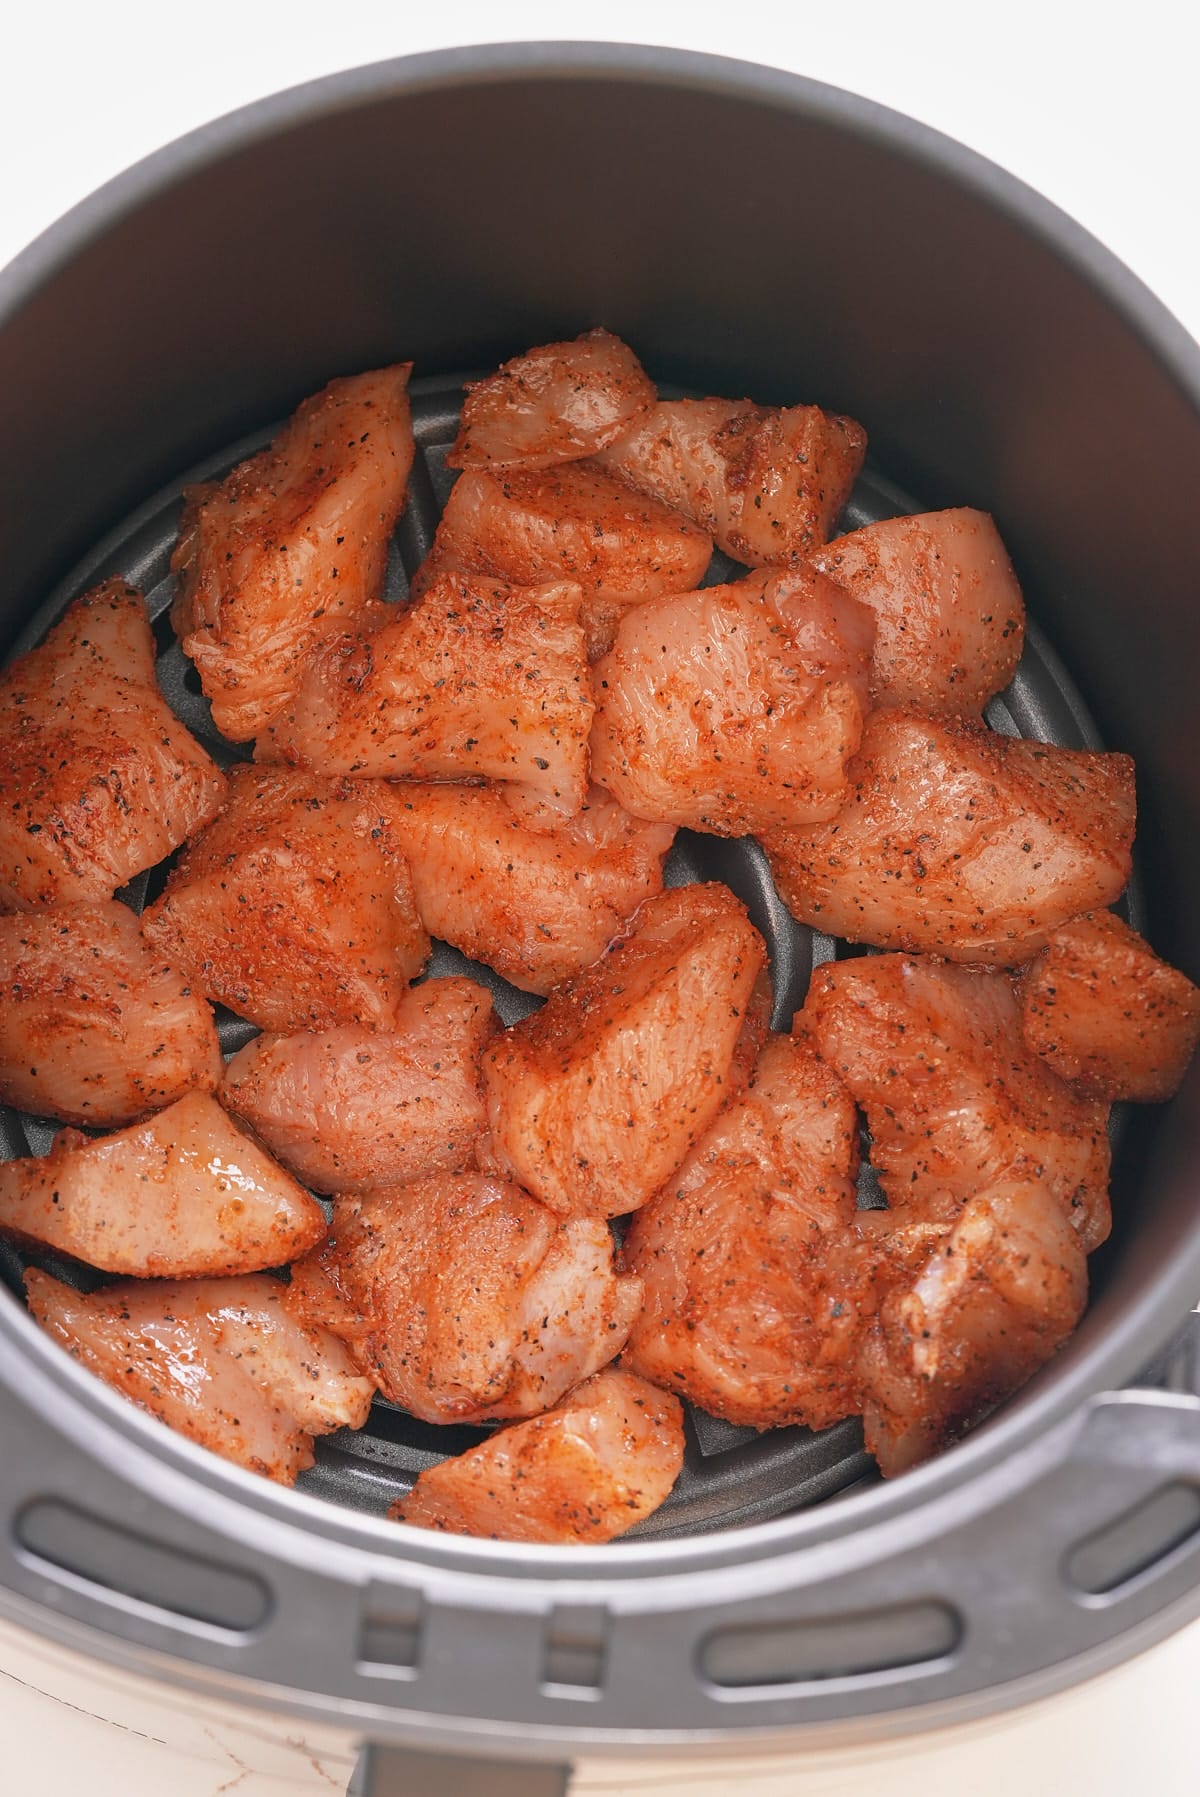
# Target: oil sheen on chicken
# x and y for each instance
(96, 1027)
(959, 842)
(605, 1459)
(98, 778)
(948, 610)
(757, 1289)
(477, 679)
(184, 1194)
(1101, 1009)
(290, 547)
(556, 403)
(955, 1101)
(575, 523)
(511, 882)
(466, 1299)
(361, 1110)
(735, 709)
(295, 907)
(766, 483)
(220, 1360)
(967, 1317)
(594, 1100)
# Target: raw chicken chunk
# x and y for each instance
(756, 1288)
(954, 1099)
(959, 842)
(575, 523)
(360, 1110)
(767, 483)
(220, 1360)
(98, 778)
(95, 1026)
(477, 679)
(978, 1311)
(605, 1459)
(182, 1195)
(950, 620)
(510, 881)
(295, 907)
(735, 709)
(594, 1100)
(290, 547)
(556, 403)
(1101, 1009)
(466, 1299)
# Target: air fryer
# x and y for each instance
(749, 233)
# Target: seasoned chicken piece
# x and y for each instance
(557, 403)
(477, 679)
(954, 1099)
(220, 1360)
(767, 483)
(1101, 1009)
(735, 709)
(575, 523)
(594, 1100)
(466, 1299)
(757, 1289)
(959, 842)
(95, 1026)
(290, 548)
(510, 881)
(605, 1459)
(950, 620)
(98, 778)
(360, 1110)
(183, 1195)
(979, 1310)
(295, 907)
(318, 1302)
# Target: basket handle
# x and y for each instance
(402, 1772)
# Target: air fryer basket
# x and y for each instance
(748, 232)
(731, 1475)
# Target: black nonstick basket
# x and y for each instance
(747, 232)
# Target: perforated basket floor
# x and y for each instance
(731, 1475)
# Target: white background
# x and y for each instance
(1095, 105)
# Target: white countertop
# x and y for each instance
(1096, 107)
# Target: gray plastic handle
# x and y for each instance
(397, 1772)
